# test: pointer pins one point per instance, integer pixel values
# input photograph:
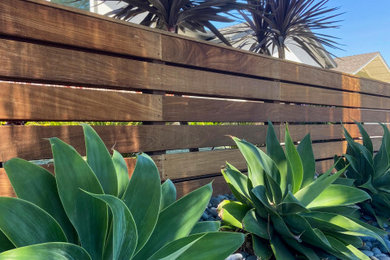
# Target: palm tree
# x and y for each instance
(175, 15)
(270, 24)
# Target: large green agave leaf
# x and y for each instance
(280, 250)
(339, 195)
(341, 224)
(233, 212)
(366, 138)
(275, 151)
(206, 226)
(343, 251)
(257, 159)
(27, 179)
(168, 194)
(122, 172)
(294, 162)
(305, 151)
(251, 155)
(5, 244)
(88, 215)
(261, 247)
(124, 230)
(311, 191)
(237, 182)
(26, 224)
(301, 248)
(213, 246)
(382, 158)
(100, 161)
(291, 205)
(347, 239)
(175, 249)
(177, 220)
(57, 251)
(255, 225)
(143, 197)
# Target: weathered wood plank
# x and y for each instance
(198, 109)
(28, 61)
(219, 186)
(44, 22)
(205, 55)
(42, 103)
(30, 142)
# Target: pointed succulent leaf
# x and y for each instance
(175, 249)
(122, 172)
(260, 193)
(305, 151)
(237, 182)
(27, 179)
(261, 248)
(280, 250)
(251, 155)
(99, 159)
(302, 248)
(341, 250)
(213, 245)
(273, 189)
(339, 195)
(282, 228)
(344, 181)
(369, 185)
(86, 213)
(232, 212)
(58, 251)
(275, 151)
(168, 194)
(345, 225)
(24, 223)
(310, 192)
(177, 220)
(256, 225)
(295, 163)
(143, 197)
(206, 226)
(291, 205)
(347, 239)
(366, 138)
(124, 230)
(382, 158)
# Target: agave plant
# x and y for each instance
(271, 24)
(369, 172)
(175, 15)
(91, 210)
(287, 210)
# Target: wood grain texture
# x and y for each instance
(218, 183)
(30, 142)
(42, 103)
(325, 165)
(49, 23)
(201, 54)
(197, 109)
(28, 61)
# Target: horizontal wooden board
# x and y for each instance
(67, 66)
(324, 165)
(198, 109)
(41, 103)
(30, 142)
(204, 55)
(45, 22)
(218, 183)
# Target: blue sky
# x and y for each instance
(366, 27)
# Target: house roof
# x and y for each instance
(353, 64)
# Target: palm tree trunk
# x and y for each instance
(281, 52)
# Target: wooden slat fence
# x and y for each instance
(62, 64)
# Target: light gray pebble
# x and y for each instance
(368, 253)
(365, 247)
(369, 244)
(214, 212)
(383, 257)
(373, 258)
(235, 257)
